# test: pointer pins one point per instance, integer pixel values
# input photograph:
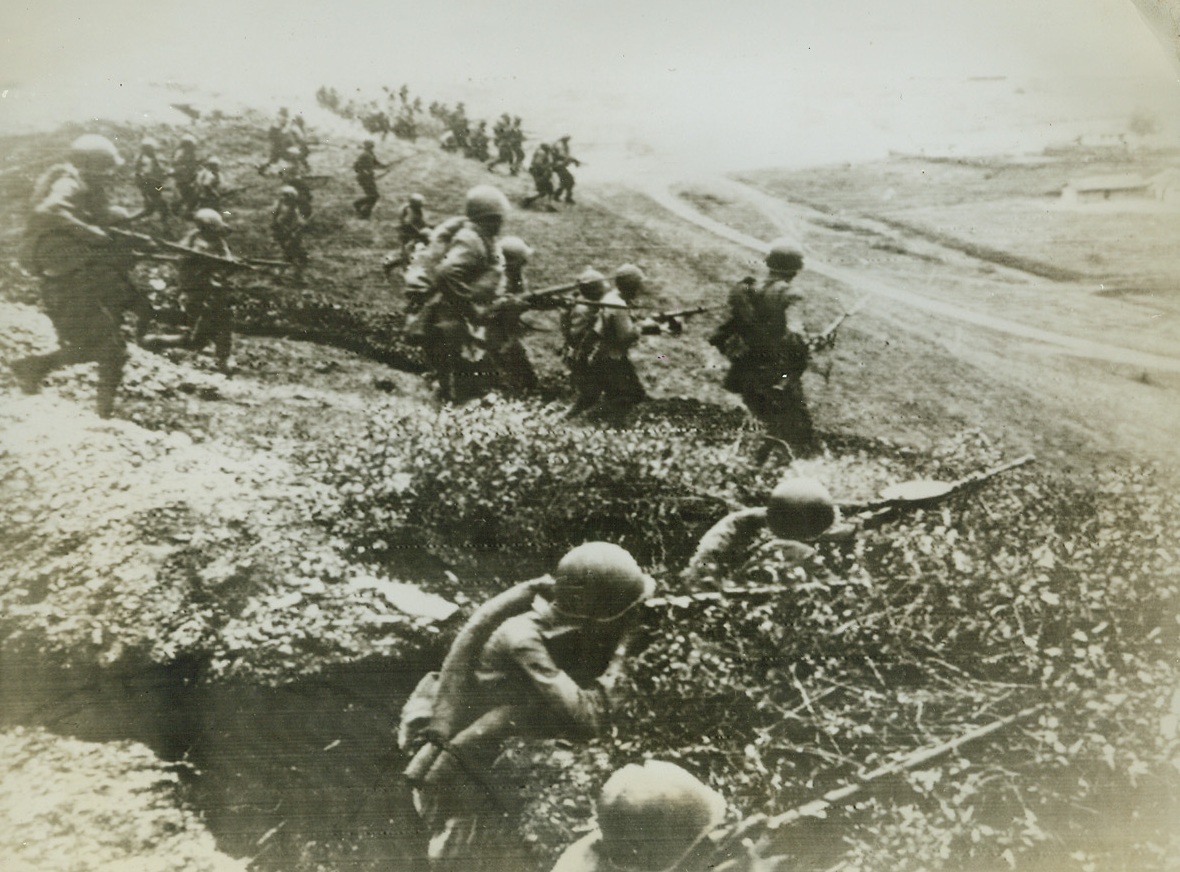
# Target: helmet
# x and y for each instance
(652, 815)
(784, 256)
(515, 248)
(599, 581)
(286, 191)
(590, 277)
(148, 145)
(800, 508)
(188, 139)
(484, 201)
(212, 161)
(209, 219)
(369, 143)
(93, 152)
(294, 152)
(417, 199)
(629, 277)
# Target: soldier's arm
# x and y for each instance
(460, 270)
(582, 709)
(59, 210)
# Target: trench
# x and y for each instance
(300, 777)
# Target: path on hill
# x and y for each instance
(785, 216)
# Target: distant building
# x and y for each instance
(1099, 188)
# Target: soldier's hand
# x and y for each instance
(649, 327)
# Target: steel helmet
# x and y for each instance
(652, 815)
(148, 145)
(599, 581)
(515, 248)
(485, 201)
(188, 139)
(210, 219)
(784, 256)
(629, 277)
(800, 508)
(417, 200)
(591, 278)
(95, 153)
(294, 152)
(212, 161)
(286, 191)
(368, 144)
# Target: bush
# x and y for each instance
(508, 476)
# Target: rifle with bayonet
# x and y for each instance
(144, 239)
(826, 338)
(923, 492)
(541, 299)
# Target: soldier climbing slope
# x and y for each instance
(278, 138)
(769, 350)
(513, 370)
(365, 167)
(798, 511)
(184, 175)
(149, 179)
(540, 660)
(541, 169)
(562, 159)
(83, 271)
(208, 185)
(205, 291)
(288, 225)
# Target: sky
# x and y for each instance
(726, 81)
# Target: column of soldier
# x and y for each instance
(543, 658)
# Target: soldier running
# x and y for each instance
(278, 139)
(561, 159)
(207, 193)
(541, 169)
(149, 179)
(83, 271)
(769, 351)
(293, 174)
(205, 291)
(365, 167)
(184, 175)
(287, 224)
(513, 370)
(540, 660)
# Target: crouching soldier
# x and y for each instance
(798, 512)
(541, 661)
(83, 272)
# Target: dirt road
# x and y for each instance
(788, 217)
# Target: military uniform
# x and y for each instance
(609, 376)
(365, 167)
(149, 179)
(510, 361)
(412, 229)
(208, 189)
(292, 174)
(541, 169)
(769, 354)
(733, 541)
(184, 175)
(562, 159)
(207, 297)
(287, 226)
(84, 284)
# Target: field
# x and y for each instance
(225, 593)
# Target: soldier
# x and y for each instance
(297, 135)
(561, 158)
(205, 291)
(516, 141)
(477, 142)
(514, 370)
(798, 512)
(581, 340)
(609, 376)
(541, 169)
(149, 179)
(501, 137)
(365, 166)
(293, 174)
(184, 174)
(538, 661)
(653, 817)
(84, 273)
(288, 225)
(208, 185)
(463, 284)
(278, 139)
(769, 352)
(412, 228)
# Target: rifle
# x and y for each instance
(145, 239)
(537, 299)
(673, 319)
(827, 337)
(923, 492)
